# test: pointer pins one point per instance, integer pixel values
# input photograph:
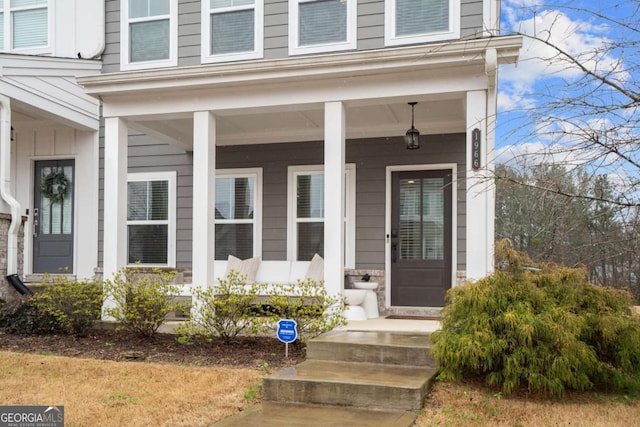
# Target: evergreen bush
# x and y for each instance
(24, 317)
(545, 328)
(142, 299)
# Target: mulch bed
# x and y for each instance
(243, 352)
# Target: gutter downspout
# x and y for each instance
(5, 181)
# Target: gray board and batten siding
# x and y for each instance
(370, 29)
(371, 156)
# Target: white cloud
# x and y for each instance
(538, 61)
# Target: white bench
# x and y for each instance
(272, 273)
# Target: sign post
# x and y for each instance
(287, 332)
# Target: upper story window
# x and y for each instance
(148, 34)
(24, 25)
(232, 30)
(421, 21)
(317, 26)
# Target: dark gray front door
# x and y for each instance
(420, 238)
(53, 216)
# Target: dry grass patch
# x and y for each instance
(105, 393)
(468, 404)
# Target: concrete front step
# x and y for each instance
(393, 348)
(284, 415)
(364, 385)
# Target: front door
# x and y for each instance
(53, 216)
(420, 238)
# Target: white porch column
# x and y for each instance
(334, 193)
(480, 191)
(204, 187)
(115, 199)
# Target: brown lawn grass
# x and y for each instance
(460, 404)
(106, 393)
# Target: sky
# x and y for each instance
(590, 31)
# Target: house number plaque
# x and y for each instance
(475, 148)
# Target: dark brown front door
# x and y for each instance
(420, 238)
(53, 216)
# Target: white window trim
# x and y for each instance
(205, 26)
(172, 61)
(390, 38)
(170, 177)
(8, 40)
(349, 44)
(350, 210)
(257, 203)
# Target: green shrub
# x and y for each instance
(309, 304)
(224, 311)
(543, 328)
(24, 317)
(63, 306)
(73, 305)
(142, 299)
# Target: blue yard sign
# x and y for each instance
(287, 332)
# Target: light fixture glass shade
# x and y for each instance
(411, 139)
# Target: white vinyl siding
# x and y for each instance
(232, 30)
(25, 26)
(151, 219)
(317, 26)
(238, 211)
(306, 213)
(421, 21)
(148, 34)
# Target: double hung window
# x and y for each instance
(151, 219)
(148, 34)
(306, 213)
(421, 21)
(232, 30)
(238, 224)
(24, 25)
(317, 26)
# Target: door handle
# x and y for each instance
(35, 222)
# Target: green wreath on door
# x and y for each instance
(54, 186)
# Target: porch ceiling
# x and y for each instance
(434, 115)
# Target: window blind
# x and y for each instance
(149, 40)
(30, 28)
(421, 219)
(421, 16)
(232, 32)
(148, 201)
(322, 21)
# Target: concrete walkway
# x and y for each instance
(373, 373)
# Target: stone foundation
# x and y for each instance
(7, 292)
